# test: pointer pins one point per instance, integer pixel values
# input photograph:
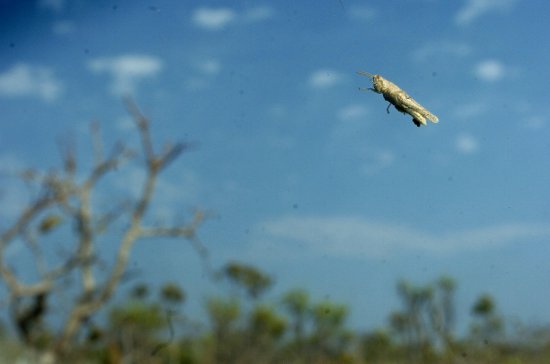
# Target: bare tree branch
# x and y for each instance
(68, 155)
(63, 194)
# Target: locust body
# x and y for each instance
(400, 99)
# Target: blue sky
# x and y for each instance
(308, 177)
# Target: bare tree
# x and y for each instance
(65, 195)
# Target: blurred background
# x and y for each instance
(306, 181)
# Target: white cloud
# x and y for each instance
(26, 80)
(535, 122)
(441, 49)
(126, 70)
(196, 83)
(358, 236)
(259, 13)
(489, 70)
(213, 18)
(63, 27)
(210, 66)
(125, 123)
(347, 140)
(53, 5)
(377, 161)
(474, 9)
(469, 110)
(325, 78)
(352, 112)
(361, 12)
(466, 144)
(349, 130)
(277, 111)
(207, 67)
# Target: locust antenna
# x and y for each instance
(363, 73)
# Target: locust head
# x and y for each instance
(379, 84)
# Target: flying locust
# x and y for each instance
(399, 99)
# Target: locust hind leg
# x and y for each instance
(418, 119)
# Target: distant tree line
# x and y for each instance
(244, 327)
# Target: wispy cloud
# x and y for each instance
(349, 130)
(210, 66)
(218, 18)
(63, 27)
(325, 78)
(536, 122)
(469, 110)
(489, 70)
(474, 9)
(375, 161)
(213, 18)
(207, 69)
(347, 139)
(361, 12)
(277, 111)
(352, 112)
(358, 236)
(53, 5)
(259, 13)
(24, 80)
(125, 123)
(466, 144)
(445, 49)
(126, 70)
